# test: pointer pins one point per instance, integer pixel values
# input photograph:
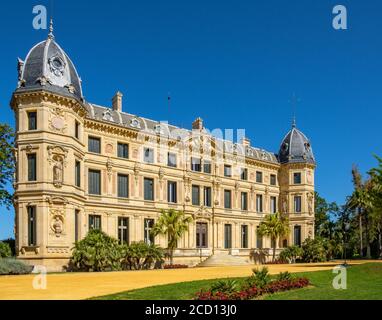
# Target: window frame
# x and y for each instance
(32, 226)
(150, 159)
(193, 196)
(29, 113)
(119, 188)
(227, 205)
(152, 192)
(123, 230)
(196, 166)
(90, 190)
(94, 217)
(259, 177)
(77, 173)
(172, 198)
(32, 171)
(94, 138)
(228, 171)
(244, 205)
(125, 150)
(297, 178)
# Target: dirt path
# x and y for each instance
(86, 285)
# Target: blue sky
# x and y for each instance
(234, 63)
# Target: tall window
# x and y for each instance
(244, 201)
(149, 189)
(76, 225)
(207, 196)
(273, 180)
(273, 204)
(227, 199)
(123, 186)
(201, 235)
(148, 236)
(148, 155)
(196, 164)
(94, 182)
(297, 204)
(297, 178)
(171, 160)
(31, 226)
(77, 173)
(259, 177)
(207, 166)
(123, 150)
(94, 222)
(297, 235)
(227, 170)
(227, 236)
(32, 172)
(94, 145)
(171, 192)
(244, 236)
(244, 174)
(76, 129)
(195, 195)
(32, 120)
(123, 230)
(259, 239)
(259, 203)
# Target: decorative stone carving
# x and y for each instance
(57, 65)
(135, 123)
(57, 222)
(137, 170)
(57, 121)
(284, 203)
(109, 148)
(161, 174)
(58, 171)
(310, 198)
(109, 167)
(107, 116)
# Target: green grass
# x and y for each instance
(363, 282)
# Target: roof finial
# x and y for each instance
(50, 35)
(294, 122)
(293, 101)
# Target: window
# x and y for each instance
(31, 226)
(207, 166)
(227, 171)
(32, 176)
(123, 230)
(227, 199)
(94, 182)
(244, 201)
(94, 145)
(297, 178)
(171, 192)
(259, 238)
(273, 180)
(77, 174)
(259, 203)
(244, 174)
(297, 204)
(171, 160)
(273, 204)
(207, 196)
(244, 236)
(297, 235)
(76, 225)
(76, 129)
(227, 236)
(123, 150)
(201, 235)
(123, 186)
(94, 222)
(259, 177)
(148, 236)
(148, 155)
(149, 189)
(195, 195)
(196, 164)
(32, 120)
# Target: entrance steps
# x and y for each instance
(225, 259)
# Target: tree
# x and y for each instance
(274, 226)
(7, 163)
(174, 224)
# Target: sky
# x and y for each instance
(236, 64)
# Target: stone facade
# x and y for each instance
(53, 204)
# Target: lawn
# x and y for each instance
(363, 282)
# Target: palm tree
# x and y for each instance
(174, 224)
(274, 226)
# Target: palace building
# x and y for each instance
(82, 166)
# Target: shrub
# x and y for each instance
(261, 277)
(224, 286)
(5, 250)
(284, 276)
(291, 254)
(10, 266)
(96, 252)
(313, 250)
(175, 266)
(140, 255)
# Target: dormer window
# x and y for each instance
(135, 123)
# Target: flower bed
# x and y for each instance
(175, 266)
(254, 292)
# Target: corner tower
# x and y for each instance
(296, 180)
(49, 189)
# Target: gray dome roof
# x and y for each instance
(296, 148)
(48, 66)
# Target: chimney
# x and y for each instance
(197, 124)
(246, 142)
(117, 101)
